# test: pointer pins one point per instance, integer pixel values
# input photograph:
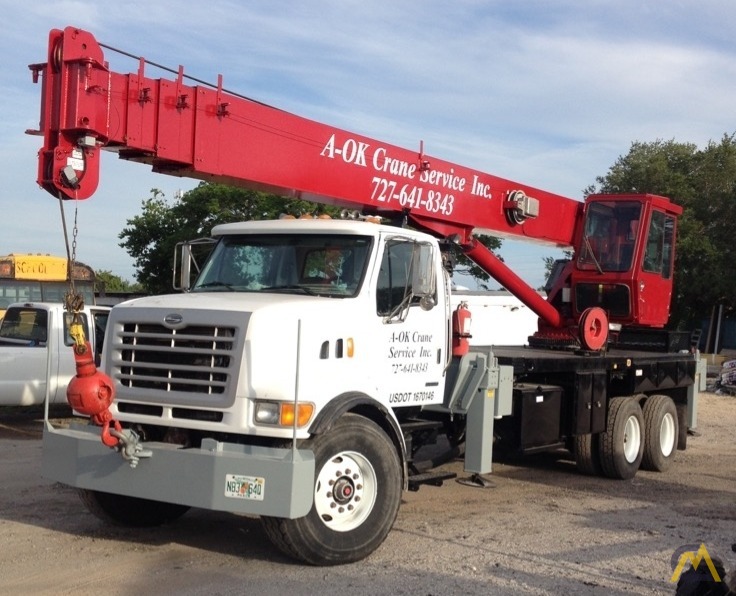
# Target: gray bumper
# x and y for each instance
(208, 477)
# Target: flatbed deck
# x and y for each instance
(515, 354)
(645, 371)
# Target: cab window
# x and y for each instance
(659, 247)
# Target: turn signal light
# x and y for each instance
(282, 413)
(304, 414)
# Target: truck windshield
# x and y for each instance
(313, 264)
(609, 237)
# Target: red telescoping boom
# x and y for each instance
(207, 133)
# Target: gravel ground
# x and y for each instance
(540, 529)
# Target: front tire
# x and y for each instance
(621, 445)
(130, 511)
(357, 492)
(661, 430)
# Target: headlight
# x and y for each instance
(267, 413)
(282, 413)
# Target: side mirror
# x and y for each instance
(423, 278)
(185, 261)
(185, 274)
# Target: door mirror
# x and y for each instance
(187, 256)
(406, 277)
(424, 281)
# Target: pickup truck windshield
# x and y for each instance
(313, 264)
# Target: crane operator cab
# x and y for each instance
(623, 262)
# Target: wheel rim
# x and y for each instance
(667, 435)
(632, 439)
(345, 491)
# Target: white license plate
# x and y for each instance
(244, 487)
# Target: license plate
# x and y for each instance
(244, 487)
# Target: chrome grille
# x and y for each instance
(194, 359)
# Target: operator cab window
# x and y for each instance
(610, 236)
(659, 250)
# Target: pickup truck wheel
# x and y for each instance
(661, 430)
(357, 492)
(587, 455)
(130, 511)
(621, 445)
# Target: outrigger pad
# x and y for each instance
(477, 481)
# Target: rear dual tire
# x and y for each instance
(661, 433)
(587, 455)
(621, 445)
(634, 437)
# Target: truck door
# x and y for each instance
(23, 357)
(412, 322)
(654, 291)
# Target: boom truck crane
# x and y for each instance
(300, 375)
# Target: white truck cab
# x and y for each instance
(287, 310)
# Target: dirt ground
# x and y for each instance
(540, 529)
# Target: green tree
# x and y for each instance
(549, 263)
(703, 182)
(150, 238)
(109, 282)
(467, 267)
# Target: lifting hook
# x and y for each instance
(91, 393)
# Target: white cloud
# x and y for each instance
(549, 94)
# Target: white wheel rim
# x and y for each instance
(632, 439)
(667, 435)
(345, 491)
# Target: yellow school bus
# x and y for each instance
(41, 278)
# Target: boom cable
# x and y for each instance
(186, 76)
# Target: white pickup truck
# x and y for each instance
(35, 350)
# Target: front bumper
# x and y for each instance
(206, 477)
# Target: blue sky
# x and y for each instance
(548, 93)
